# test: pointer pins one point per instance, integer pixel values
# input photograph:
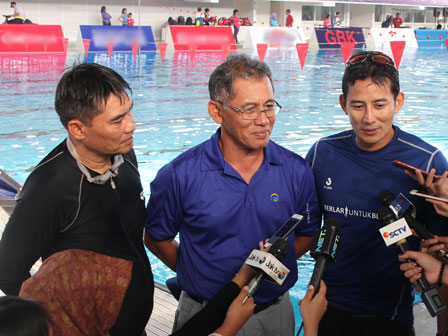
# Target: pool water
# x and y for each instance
(170, 109)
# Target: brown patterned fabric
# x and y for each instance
(82, 290)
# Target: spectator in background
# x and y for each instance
(206, 16)
(439, 25)
(398, 21)
(289, 19)
(273, 21)
(199, 17)
(336, 22)
(123, 18)
(327, 21)
(105, 16)
(387, 21)
(130, 20)
(235, 20)
(19, 14)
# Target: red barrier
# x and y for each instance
(19, 38)
(203, 37)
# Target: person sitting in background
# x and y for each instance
(439, 25)
(273, 21)
(18, 16)
(123, 18)
(130, 20)
(289, 18)
(327, 21)
(105, 16)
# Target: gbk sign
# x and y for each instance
(330, 38)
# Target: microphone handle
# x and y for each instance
(423, 282)
(255, 283)
(319, 269)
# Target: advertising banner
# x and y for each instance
(431, 38)
(183, 38)
(331, 38)
(121, 38)
(28, 38)
(274, 37)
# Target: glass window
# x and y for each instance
(429, 15)
(322, 12)
(379, 13)
(307, 13)
(406, 16)
(419, 15)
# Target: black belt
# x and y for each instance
(258, 307)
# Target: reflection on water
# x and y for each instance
(170, 107)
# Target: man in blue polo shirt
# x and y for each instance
(230, 192)
(367, 293)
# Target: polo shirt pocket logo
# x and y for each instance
(274, 197)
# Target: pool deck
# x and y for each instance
(165, 305)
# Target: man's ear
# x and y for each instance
(76, 129)
(399, 101)
(215, 111)
(343, 103)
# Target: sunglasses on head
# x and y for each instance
(375, 56)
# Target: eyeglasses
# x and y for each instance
(377, 57)
(253, 113)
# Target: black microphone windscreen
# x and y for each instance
(386, 197)
(386, 215)
(331, 222)
(279, 249)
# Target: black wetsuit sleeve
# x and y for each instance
(28, 234)
(211, 316)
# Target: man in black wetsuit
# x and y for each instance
(86, 193)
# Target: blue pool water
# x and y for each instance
(170, 108)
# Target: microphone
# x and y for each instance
(430, 295)
(407, 210)
(324, 249)
(278, 250)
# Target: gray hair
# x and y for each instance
(220, 85)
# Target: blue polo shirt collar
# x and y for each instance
(212, 158)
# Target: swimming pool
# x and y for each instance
(170, 108)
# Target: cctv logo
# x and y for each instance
(394, 233)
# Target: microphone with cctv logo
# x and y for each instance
(395, 232)
(324, 249)
(402, 207)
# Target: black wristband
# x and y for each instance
(442, 268)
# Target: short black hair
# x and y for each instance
(207, 10)
(83, 91)
(20, 316)
(288, 11)
(235, 11)
(220, 85)
(380, 74)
